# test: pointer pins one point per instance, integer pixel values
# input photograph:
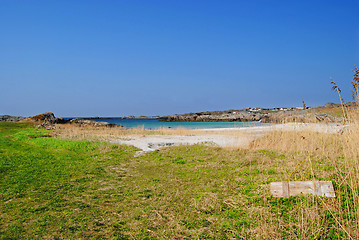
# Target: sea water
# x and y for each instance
(157, 123)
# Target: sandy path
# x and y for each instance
(153, 142)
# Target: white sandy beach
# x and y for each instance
(220, 136)
(153, 142)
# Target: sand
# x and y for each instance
(220, 136)
(153, 142)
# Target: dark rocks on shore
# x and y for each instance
(8, 118)
(48, 121)
(246, 116)
(90, 123)
(48, 117)
(208, 117)
(141, 117)
(61, 120)
(47, 125)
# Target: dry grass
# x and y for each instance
(340, 152)
(191, 191)
(334, 111)
(295, 155)
(103, 133)
(67, 131)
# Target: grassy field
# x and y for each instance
(53, 188)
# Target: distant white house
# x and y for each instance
(255, 109)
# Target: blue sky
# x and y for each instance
(149, 57)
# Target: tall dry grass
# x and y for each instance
(340, 153)
(68, 131)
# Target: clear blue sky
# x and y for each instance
(149, 57)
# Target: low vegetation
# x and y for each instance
(65, 189)
(105, 134)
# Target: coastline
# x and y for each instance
(317, 127)
(222, 137)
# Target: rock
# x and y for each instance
(8, 118)
(61, 120)
(129, 117)
(158, 145)
(46, 120)
(330, 104)
(47, 125)
(49, 117)
(141, 117)
(90, 123)
(215, 117)
(293, 115)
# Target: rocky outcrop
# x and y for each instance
(302, 116)
(61, 120)
(47, 125)
(299, 117)
(48, 117)
(242, 116)
(48, 121)
(330, 104)
(141, 117)
(44, 120)
(8, 118)
(90, 123)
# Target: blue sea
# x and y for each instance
(156, 123)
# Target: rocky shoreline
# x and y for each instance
(214, 117)
(248, 116)
(8, 118)
(277, 115)
(48, 121)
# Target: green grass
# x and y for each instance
(62, 189)
(52, 187)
